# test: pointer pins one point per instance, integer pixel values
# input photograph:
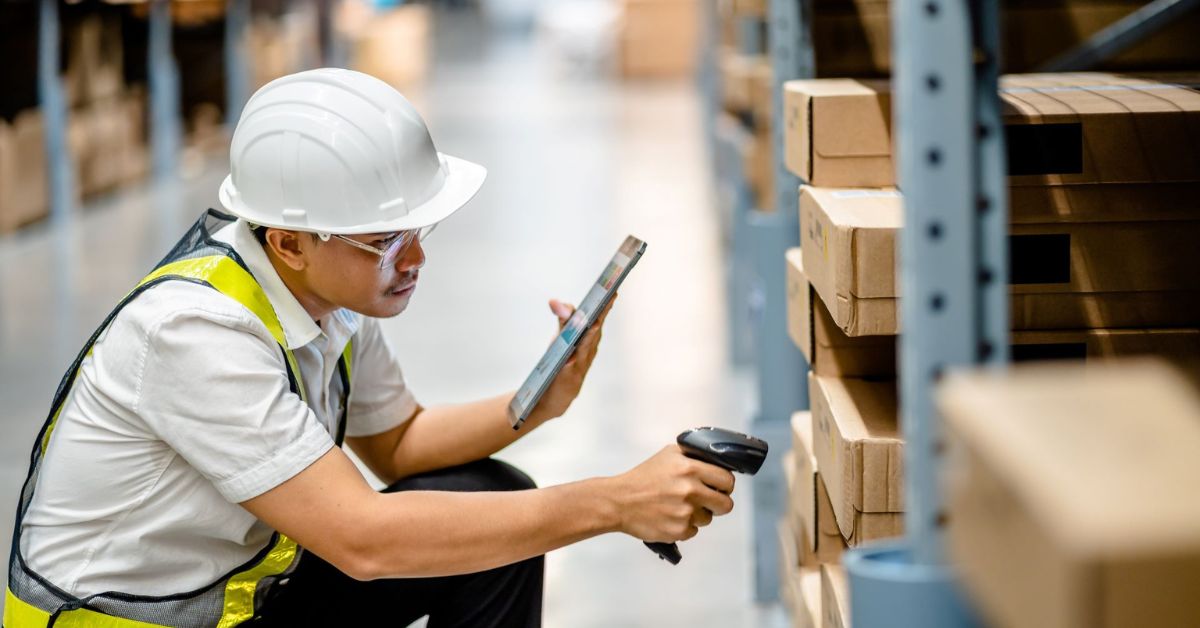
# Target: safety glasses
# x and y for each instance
(394, 247)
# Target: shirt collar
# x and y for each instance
(299, 328)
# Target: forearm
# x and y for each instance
(427, 534)
(450, 435)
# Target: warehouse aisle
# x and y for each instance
(575, 164)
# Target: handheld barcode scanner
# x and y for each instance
(726, 449)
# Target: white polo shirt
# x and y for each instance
(181, 412)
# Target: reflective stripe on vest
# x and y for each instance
(224, 272)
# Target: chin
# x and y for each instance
(392, 306)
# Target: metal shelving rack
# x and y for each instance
(953, 269)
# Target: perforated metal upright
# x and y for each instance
(53, 101)
(237, 74)
(953, 277)
(782, 371)
(165, 128)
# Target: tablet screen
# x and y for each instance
(564, 344)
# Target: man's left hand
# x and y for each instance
(566, 385)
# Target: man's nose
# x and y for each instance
(413, 257)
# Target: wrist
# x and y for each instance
(606, 494)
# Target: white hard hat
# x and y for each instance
(338, 151)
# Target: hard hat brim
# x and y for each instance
(462, 181)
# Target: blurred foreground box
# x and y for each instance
(658, 38)
(1072, 494)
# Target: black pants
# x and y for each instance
(510, 597)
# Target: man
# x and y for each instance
(191, 473)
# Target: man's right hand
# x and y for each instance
(669, 497)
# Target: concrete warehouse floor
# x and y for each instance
(575, 164)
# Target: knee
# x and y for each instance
(505, 477)
(484, 475)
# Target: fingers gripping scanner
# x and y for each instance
(726, 449)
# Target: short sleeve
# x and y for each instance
(213, 386)
(379, 398)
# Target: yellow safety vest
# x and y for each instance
(33, 602)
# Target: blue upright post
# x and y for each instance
(54, 114)
(782, 371)
(164, 93)
(953, 269)
(237, 80)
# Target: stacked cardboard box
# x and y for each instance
(808, 534)
(1099, 244)
(1071, 494)
(1104, 210)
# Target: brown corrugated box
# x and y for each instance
(737, 79)
(849, 238)
(1071, 495)
(750, 8)
(875, 356)
(800, 587)
(859, 450)
(23, 185)
(827, 348)
(819, 538)
(1060, 129)
(392, 45)
(804, 593)
(759, 164)
(837, 132)
(835, 597)
(763, 96)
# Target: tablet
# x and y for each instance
(564, 345)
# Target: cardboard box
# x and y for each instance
(750, 8)
(827, 348)
(831, 352)
(803, 596)
(820, 539)
(837, 132)
(859, 450)
(1057, 131)
(759, 164)
(738, 80)
(1104, 310)
(395, 46)
(658, 38)
(849, 240)
(1114, 202)
(762, 95)
(811, 513)
(835, 597)
(24, 188)
(848, 243)
(810, 596)
(94, 60)
(1071, 494)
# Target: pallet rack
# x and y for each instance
(954, 267)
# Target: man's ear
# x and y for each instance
(289, 246)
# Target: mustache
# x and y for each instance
(407, 279)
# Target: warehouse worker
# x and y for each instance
(190, 472)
